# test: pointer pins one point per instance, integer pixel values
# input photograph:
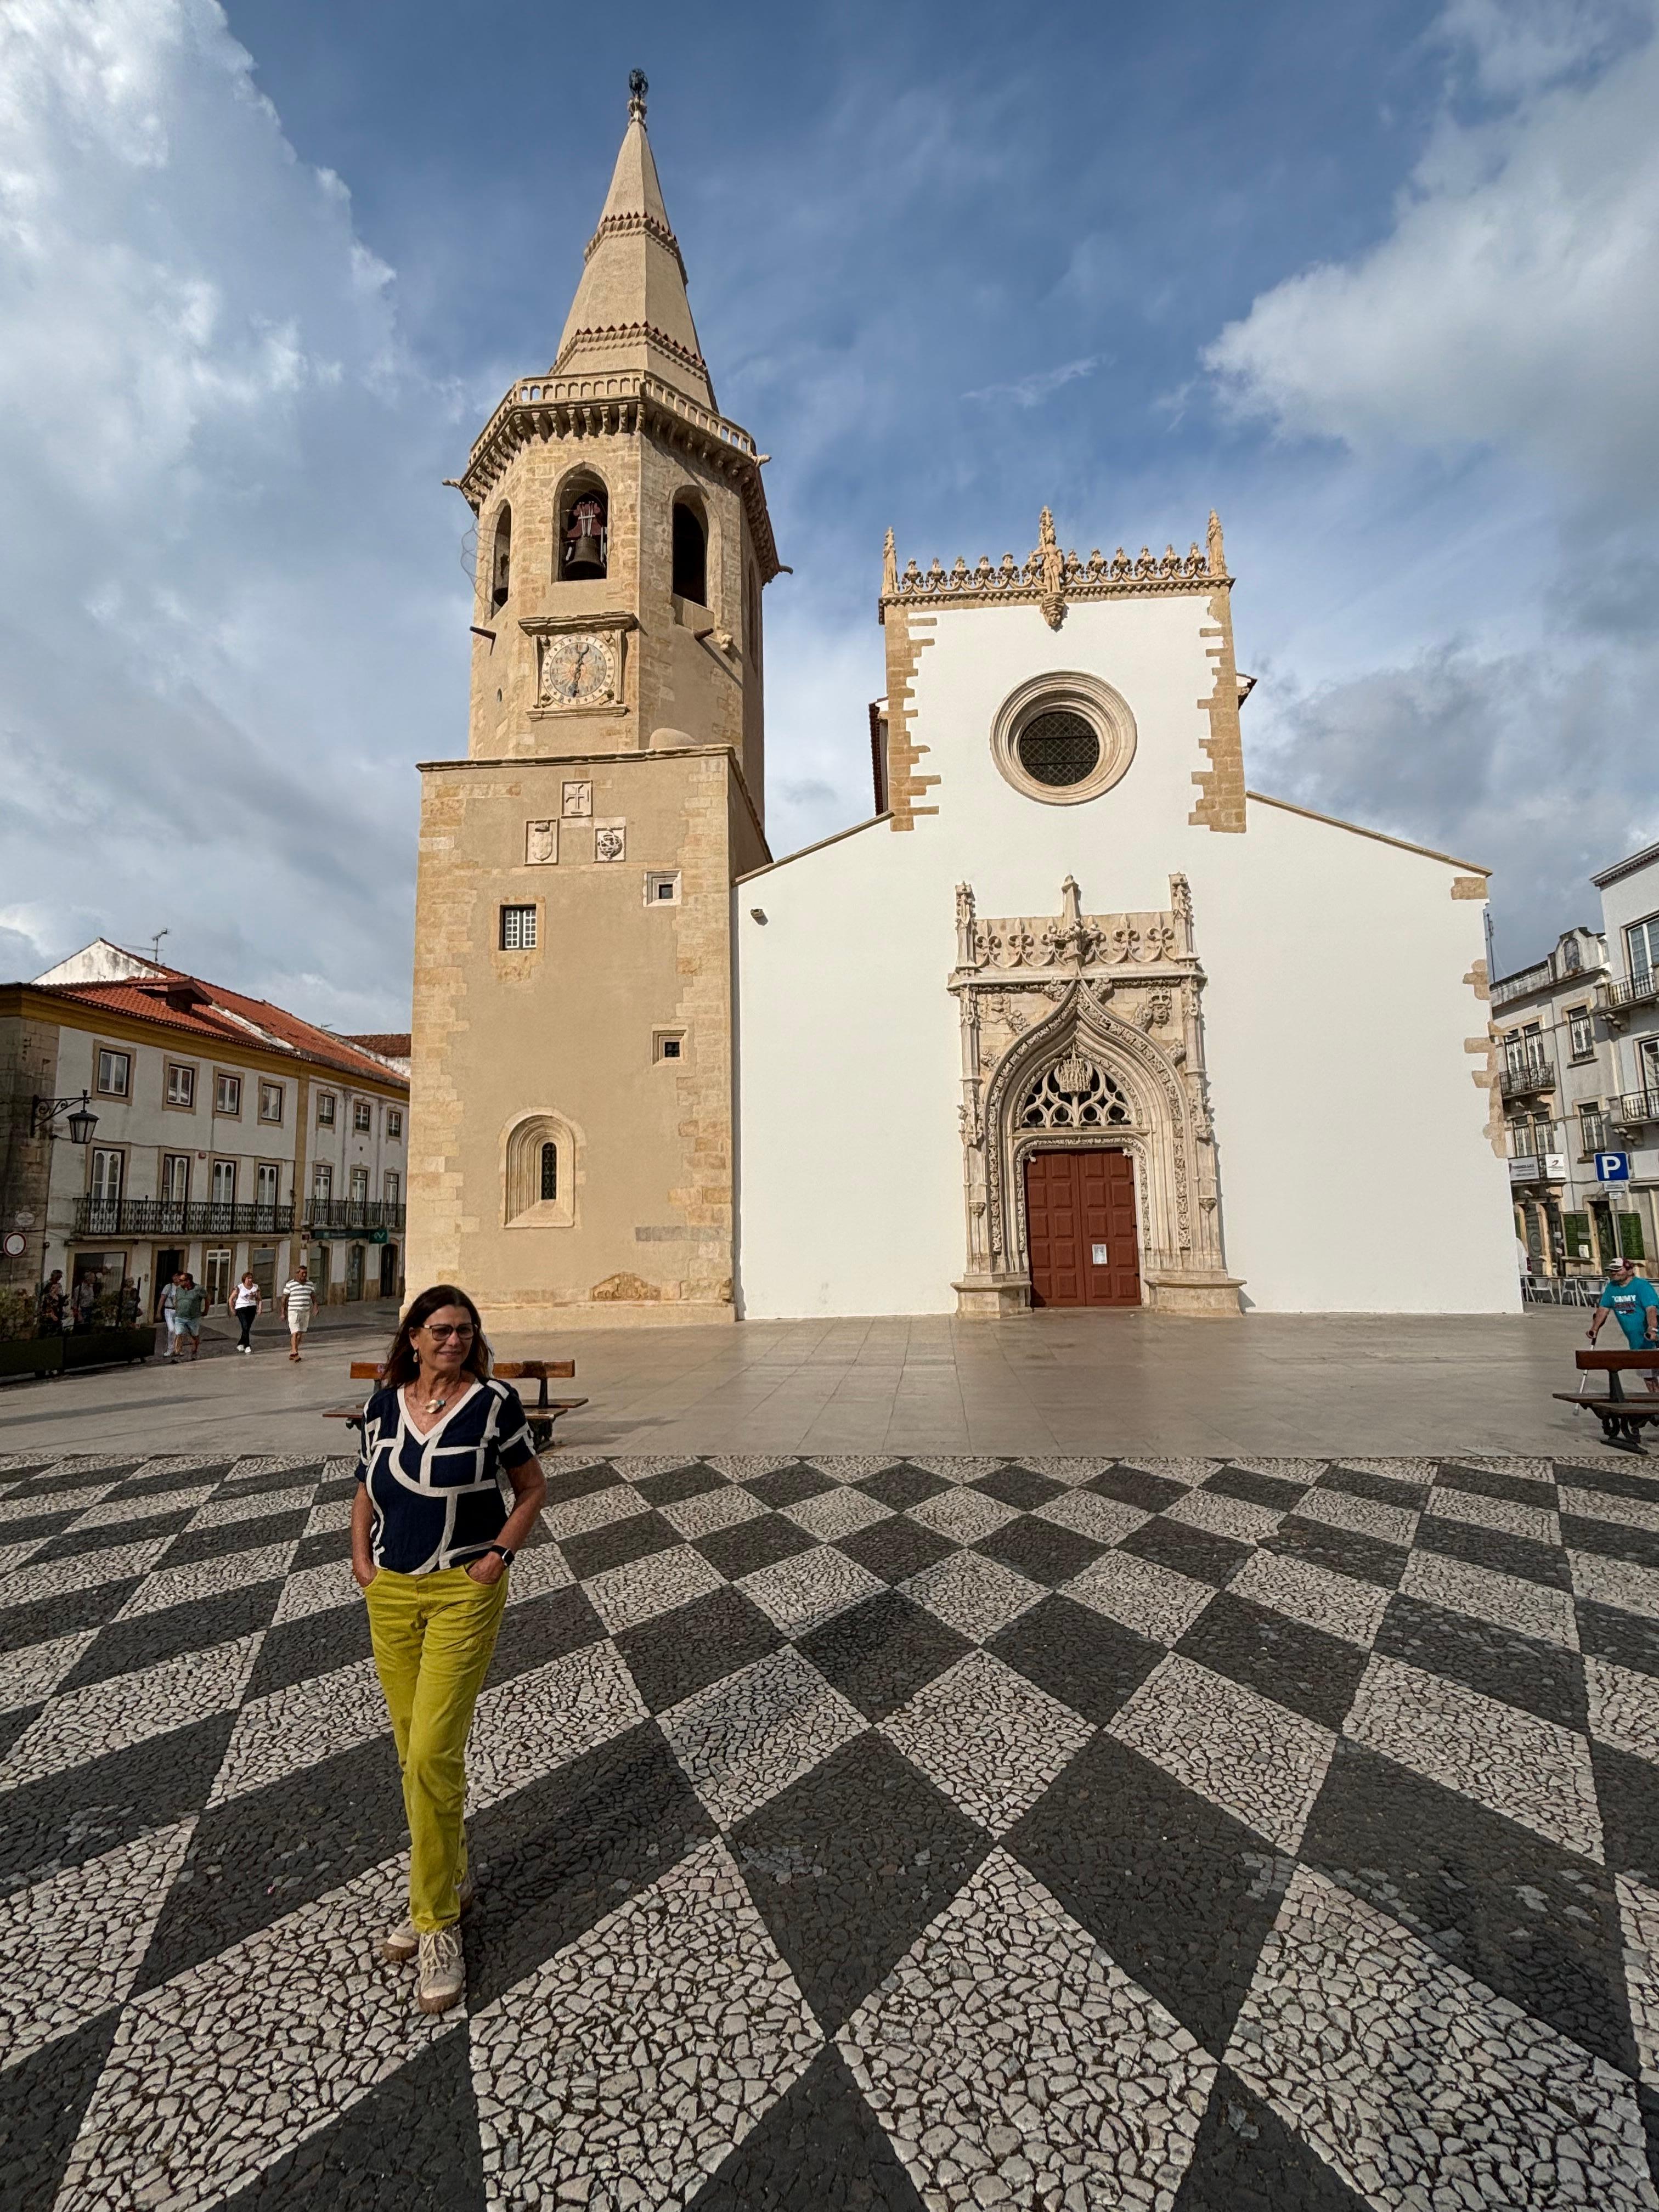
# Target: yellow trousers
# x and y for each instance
(433, 1635)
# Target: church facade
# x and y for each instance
(1074, 1019)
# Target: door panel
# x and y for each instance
(1080, 1228)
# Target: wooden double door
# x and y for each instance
(1081, 1229)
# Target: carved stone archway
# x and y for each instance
(1085, 1030)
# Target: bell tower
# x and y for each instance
(572, 1109)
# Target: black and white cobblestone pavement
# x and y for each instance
(1266, 1837)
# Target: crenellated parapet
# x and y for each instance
(1051, 578)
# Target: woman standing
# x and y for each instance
(246, 1303)
(432, 1539)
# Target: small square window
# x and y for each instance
(668, 1044)
(662, 887)
(362, 1115)
(518, 929)
(394, 1122)
(115, 1074)
(181, 1085)
(226, 1094)
(270, 1101)
(326, 1106)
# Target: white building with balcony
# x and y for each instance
(230, 1135)
(1553, 1069)
(1630, 915)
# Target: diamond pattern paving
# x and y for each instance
(863, 1833)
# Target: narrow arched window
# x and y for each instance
(584, 547)
(690, 555)
(549, 1171)
(500, 564)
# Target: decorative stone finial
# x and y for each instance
(1051, 570)
(637, 88)
(1217, 555)
(889, 565)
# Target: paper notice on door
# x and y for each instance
(1099, 1253)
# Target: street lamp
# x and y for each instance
(81, 1119)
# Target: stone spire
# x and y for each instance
(630, 313)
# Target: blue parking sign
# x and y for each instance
(1612, 1167)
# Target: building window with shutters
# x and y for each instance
(109, 1172)
(1581, 1033)
(1592, 1129)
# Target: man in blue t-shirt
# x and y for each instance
(1636, 1305)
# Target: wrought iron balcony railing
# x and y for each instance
(1528, 1080)
(178, 1216)
(1636, 1106)
(354, 1213)
(1637, 991)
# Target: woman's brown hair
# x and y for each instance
(401, 1365)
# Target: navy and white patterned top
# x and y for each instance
(441, 1500)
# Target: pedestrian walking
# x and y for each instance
(187, 1310)
(51, 1305)
(299, 1296)
(170, 1314)
(248, 1303)
(1634, 1302)
(432, 1540)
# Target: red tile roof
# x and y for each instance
(391, 1044)
(173, 1000)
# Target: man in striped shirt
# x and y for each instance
(299, 1296)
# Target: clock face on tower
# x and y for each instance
(577, 671)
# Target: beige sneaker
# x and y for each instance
(399, 1944)
(443, 1970)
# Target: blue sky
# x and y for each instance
(1381, 282)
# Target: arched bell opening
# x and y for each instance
(583, 548)
(500, 560)
(690, 548)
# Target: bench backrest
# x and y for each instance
(510, 1370)
(1600, 1363)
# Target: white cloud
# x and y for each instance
(1479, 607)
(1028, 391)
(230, 618)
(1515, 303)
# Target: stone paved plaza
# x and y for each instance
(1269, 1836)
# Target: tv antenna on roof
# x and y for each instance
(155, 946)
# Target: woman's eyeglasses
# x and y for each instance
(463, 1331)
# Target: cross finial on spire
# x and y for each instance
(637, 88)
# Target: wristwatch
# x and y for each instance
(506, 1556)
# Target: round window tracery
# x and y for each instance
(1058, 748)
(1063, 737)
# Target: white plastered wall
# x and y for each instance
(1355, 1173)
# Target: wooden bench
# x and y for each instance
(1622, 1419)
(541, 1415)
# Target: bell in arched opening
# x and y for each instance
(585, 538)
